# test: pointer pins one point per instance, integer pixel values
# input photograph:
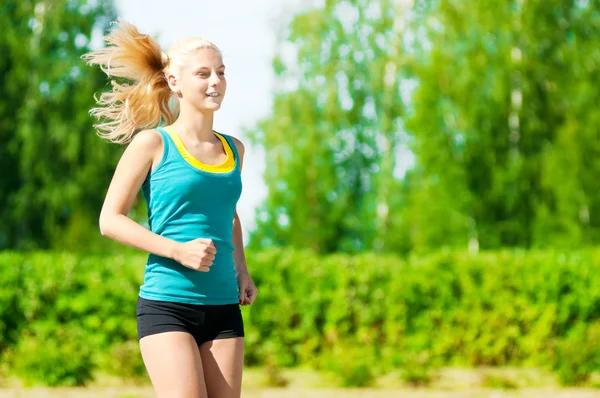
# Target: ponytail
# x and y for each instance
(140, 97)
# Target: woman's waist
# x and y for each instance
(222, 258)
(222, 266)
(167, 280)
(221, 240)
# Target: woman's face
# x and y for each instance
(202, 81)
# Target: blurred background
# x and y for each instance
(421, 208)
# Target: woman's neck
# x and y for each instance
(195, 125)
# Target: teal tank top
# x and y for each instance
(186, 200)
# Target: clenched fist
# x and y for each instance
(197, 254)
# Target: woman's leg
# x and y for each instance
(223, 362)
(174, 365)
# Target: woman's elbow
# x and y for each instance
(104, 225)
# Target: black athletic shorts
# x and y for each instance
(203, 322)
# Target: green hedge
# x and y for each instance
(64, 317)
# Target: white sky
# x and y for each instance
(246, 32)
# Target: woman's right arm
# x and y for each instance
(144, 151)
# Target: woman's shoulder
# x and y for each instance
(147, 144)
(149, 140)
(237, 142)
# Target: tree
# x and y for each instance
(54, 168)
(503, 155)
(331, 142)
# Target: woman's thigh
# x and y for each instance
(174, 365)
(223, 363)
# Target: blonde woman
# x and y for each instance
(190, 325)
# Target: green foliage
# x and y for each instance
(52, 354)
(578, 355)
(495, 100)
(125, 361)
(11, 316)
(339, 313)
(493, 309)
(418, 369)
(354, 365)
(506, 145)
(331, 141)
(55, 168)
(69, 314)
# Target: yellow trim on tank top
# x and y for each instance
(224, 167)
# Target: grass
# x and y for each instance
(145, 392)
(451, 383)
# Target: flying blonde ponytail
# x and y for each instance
(140, 98)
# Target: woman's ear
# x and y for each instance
(172, 83)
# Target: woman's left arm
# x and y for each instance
(248, 291)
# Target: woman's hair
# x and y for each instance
(140, 97)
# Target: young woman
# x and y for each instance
(189, 321)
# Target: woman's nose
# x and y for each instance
(214, 79)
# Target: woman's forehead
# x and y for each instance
(205, 57)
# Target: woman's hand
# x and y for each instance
(197, 254)
(248, 291)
